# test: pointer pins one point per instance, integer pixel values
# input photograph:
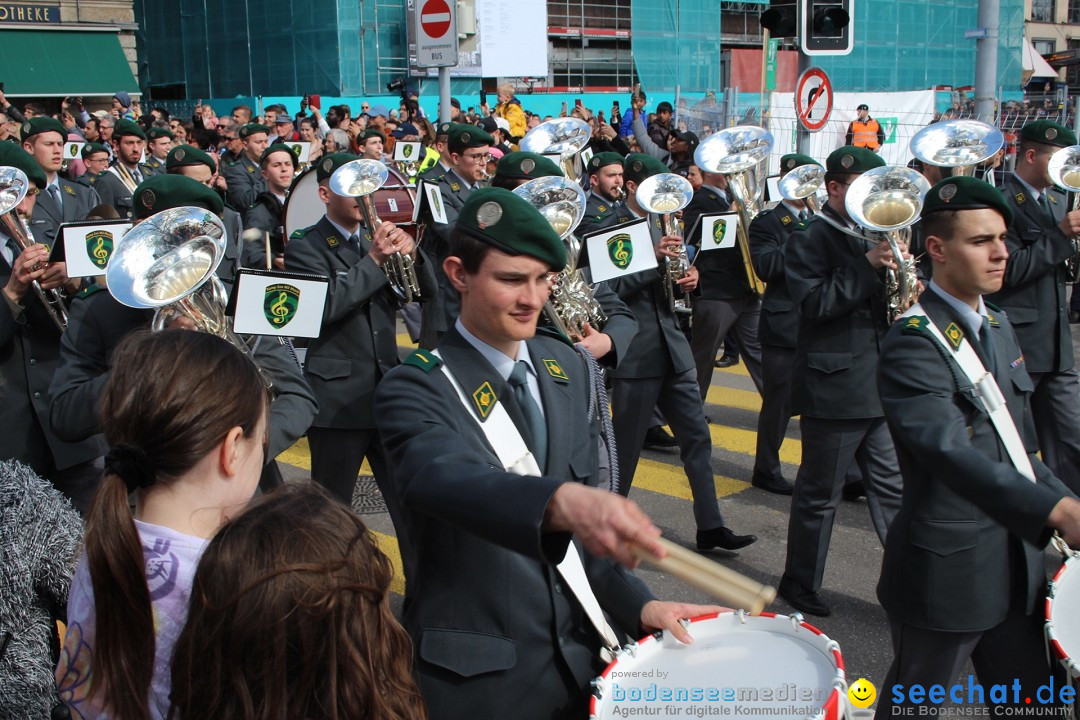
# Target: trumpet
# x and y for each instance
(887, 201)
(13, 188)
(736, 152)
(1064, 171)
(957, 144)
(804, 183)
(665, 194)
(168, 263)
(360, 179)
(562, 203)
(564, 137)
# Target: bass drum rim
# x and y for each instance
(304, 189)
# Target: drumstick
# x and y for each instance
(732, 588)
(269, 259)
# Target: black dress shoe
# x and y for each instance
(777, 486)
(853, 491)
(801, 599)
(723, 538)
(657, 438)
(727, 361)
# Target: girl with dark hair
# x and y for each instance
(185, 416)
(289, 618)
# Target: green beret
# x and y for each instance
(11, 155)
(159, 132)
(509, 223)
(639, 166)
(966, 193)
(794, 160)
(1048, 132)
(463, 137)
(186, 155)
(279, 147)
(92, 147)
(526, 165)
(125, 127)
(853, 160)
(253, 128)
(444, 128)
(372, 132)
(602, 160)
(162, 192)
(43, 124)
(329, 163)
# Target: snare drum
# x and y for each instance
(769, 665)
(1062, 623)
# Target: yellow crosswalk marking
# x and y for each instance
(734, 398)
(660, 477)
(388, 544)
(745, 442)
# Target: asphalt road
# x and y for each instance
(857, 624)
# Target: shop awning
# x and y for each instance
(63, 63)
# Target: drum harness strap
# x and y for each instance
(516, 457)
(989, 392)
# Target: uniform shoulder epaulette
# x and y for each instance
(549, 331)
(916, 325)
(803, 224)
(89, 290)
(297, 234)
(424, 360)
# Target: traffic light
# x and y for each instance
(780, 18)
(827, 27)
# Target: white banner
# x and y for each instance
(407, 152)
(302, 151)
(901, 115)
(619, 251)
(279, 303)
(73, 150)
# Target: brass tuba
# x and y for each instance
(360, 179)
(562, 203)
(736, 152)
(805, 183)
(957, 144)
(13, 188)
(564, 137)
(887, 201)
(665, 194)
(1064, 171)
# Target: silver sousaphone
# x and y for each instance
(1064, 171)
(564, 137)
(805, 183)
(665, 194)
(961, 145)
(562, 203)
(887, 201)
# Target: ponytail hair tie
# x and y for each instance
(132, 465)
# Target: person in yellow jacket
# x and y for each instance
(865, 131)
(510, 109)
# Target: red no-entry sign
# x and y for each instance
(435, 18)
(813, 99)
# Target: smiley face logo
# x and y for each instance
(862, 693)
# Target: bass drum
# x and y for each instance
(395, 201)
(302, 208)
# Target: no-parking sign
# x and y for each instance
(813, 99)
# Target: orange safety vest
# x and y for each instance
(864, 134)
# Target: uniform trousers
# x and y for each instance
(776, 364)
(712, 321)
(829, 446)
(632, 402)
(1012, 650)
(1055, 408)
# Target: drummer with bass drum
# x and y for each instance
(963, 574)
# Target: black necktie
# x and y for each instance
(14, 249)
(54, 192)
(987, 342)
(537, 427)
(1044, 203)
(354, 243)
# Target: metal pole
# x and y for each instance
(986, 57)
(803, 142)
(444, 94)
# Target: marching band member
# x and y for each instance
(496, 628)
(61, 200)
(838, 287)
(243, 177)
(278, 164)
(117, 187)
(963, 574)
